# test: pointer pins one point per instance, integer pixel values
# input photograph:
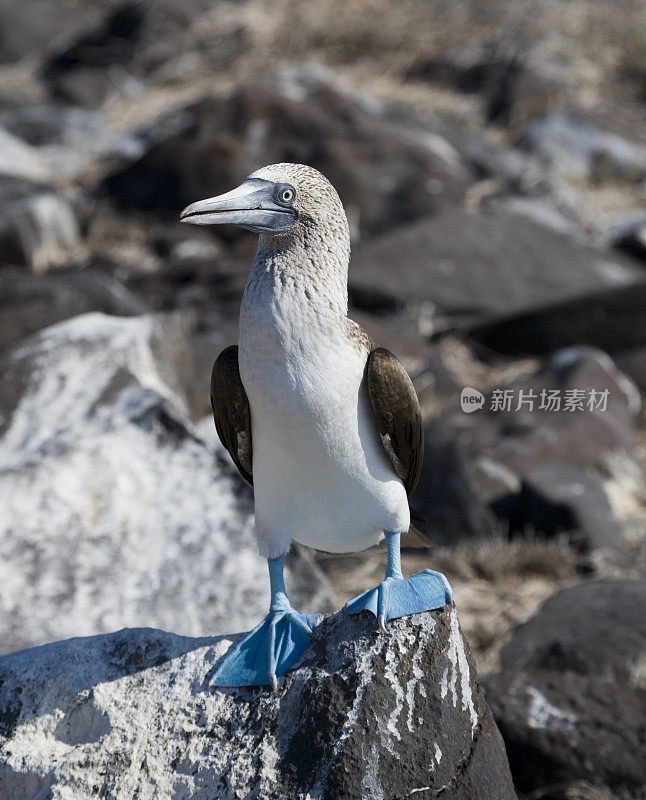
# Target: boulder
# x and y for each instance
(475, 463)
(542, 211)
(70, 141)
(509, 166)
(629, 236)
(450, 490)
(562, 728)
(115, 510)
(478, 264)
(38, 228)
(570, 700)
(133, 41)
(596, 628)
(633, 363)
(362, 715)
(577, 149)
(27, 29)
(30, 302)
(467, 70)
(609, 318)
(555, 498)
(213, 145)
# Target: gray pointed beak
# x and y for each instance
(255, 206)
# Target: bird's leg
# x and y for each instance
(393, 555)
(393, 572)
(273, 646)
(397, 596)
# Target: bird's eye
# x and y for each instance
(287, 195)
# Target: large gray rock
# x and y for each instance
(134, 40)
(478, 264)
(363, 715)
(475, 463)
(594, 628)
(514, 89)
(570, 701)
(71, 142)
(213, 144)
(562, 728)
(554, 498)
(610, 319)
(30, 302)
(115, 511)
(27, 29)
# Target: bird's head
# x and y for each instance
(279, 200)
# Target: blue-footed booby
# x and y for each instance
(321, 421)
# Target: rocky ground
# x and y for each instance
(492, 161)
(364, 715)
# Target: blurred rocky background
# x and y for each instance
(491, 156)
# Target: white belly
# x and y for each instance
(321, 475)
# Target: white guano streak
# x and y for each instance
(459, 669)
(418, 674)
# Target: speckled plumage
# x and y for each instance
(322, 473)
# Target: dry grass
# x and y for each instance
(497, 559)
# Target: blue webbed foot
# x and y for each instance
(397, 597)
(268, 651)
(273, 646)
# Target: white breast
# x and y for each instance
(321, 475)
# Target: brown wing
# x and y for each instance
(231, 411)
(396, 408)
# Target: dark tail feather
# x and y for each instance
(417, 535)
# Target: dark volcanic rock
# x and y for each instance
(27, 29)
(449, 493)
(570, 701)
(611, 319)
(563, 728)
(554, 498)
(630, 237)
(597, 628)
(515, 168)
(363, 715)
(135, 40)
(384, 173)
(468, 72)
(633, 363)
(475, 463)
(31, 302)
(478, 264)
